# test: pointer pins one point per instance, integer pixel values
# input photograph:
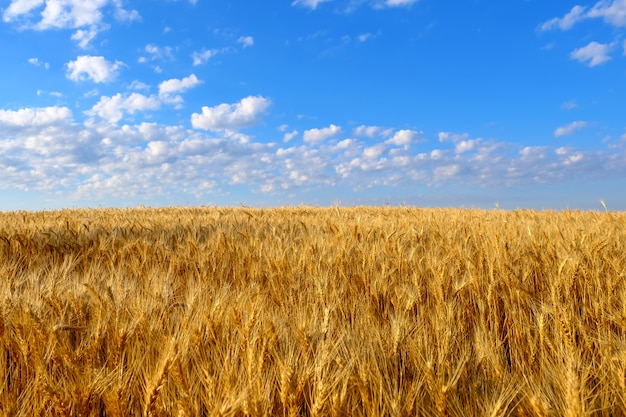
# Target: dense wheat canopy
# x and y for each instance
(312, 311)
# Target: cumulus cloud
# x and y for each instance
(231, 116)
(596, 53)
(318, 135)
(169, 89)
(84, 36)
(452, 137)
(612, 12)
(371, 131)
(94, 68)
(176, 85)
(34, 116)
(45, 149)
(112, 109)
(403, 137)
(86, 16)
(570, 128)
(290, 135)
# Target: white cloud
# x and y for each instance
(246, 41)
(373, 152)
(34, 116)
(203, 56)
(168, 89)
(318, 135)
(85, 16)
(311, 4)
(94, 68)
(466, 146)
(371, 131)
(177, 86)
(570, 128)
(66, 14)
(452, 137)
(613, 12)
(112, 109)
(290, 135)
(20, 7)
(397, 3)
(596, 53)
(84, 36)
(36, 62)
(124, 15)
(44, 149)
(157, 53)
(403, 137)
(138, 85)
(231, 116)
(566, 22)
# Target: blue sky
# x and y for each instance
(474, 103)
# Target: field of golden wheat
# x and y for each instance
(307, 311)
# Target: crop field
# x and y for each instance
(302, 311)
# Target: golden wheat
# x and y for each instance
(362, 311)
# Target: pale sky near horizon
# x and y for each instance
(474, 103)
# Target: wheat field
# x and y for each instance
(303, 311)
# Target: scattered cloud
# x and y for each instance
(112, 109)
(36, 62)
(231, 116)
(399, 3)
(596, 53)
(290, 135)
(403, 137)
(246, 41)
(56, 94)
(613, 12)
(371, 131)
(168, 90)
(138, 85)
(318, 135)
(85, 16)
(45, 149)
(34, 116)
(570, 128)
(155, 53)
(566, 22)
(94, 68)
(203, 56)
(84, 36)
(311, 4)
